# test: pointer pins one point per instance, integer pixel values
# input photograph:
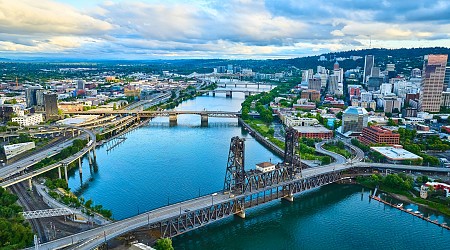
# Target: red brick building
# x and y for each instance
(379, 135)
(314, 132)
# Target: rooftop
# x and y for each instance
(396, 153)
(312, 129)
(265, 164)
(18, 145)
(78, 119)
(355, 110)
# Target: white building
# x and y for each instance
(28, 120)
(16, 149)
(366, 96)
(396, 154)
(265, 166)
(293, 121)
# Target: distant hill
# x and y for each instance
(405, 59)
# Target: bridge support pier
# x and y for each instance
(173, 119)
(229, 94)
(59, 172)
(30, 184)
(247, 94)
(65, 173)
(289, 197)
(240, 214)
(79, 165)
(214, 93)
(204, 120)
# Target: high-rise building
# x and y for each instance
(51, 105)
(40, 97)
(432, 82)
(415, 73)
(333, 84)
(354, 119)
(315, 83)
(30, 95)
(336, 65)
(81, 84)
(375, 83)
(375, 72)
(368, 66)
(447, 77)
(390, 67)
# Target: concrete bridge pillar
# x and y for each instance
(30, 184)
(247, 94)
(59, 172)
(235, 85)
(289, 197)
(204, 120)
(241, 214)
(73, 133)
(214, 93)
(172, 119)
(93, 152)
(229, 94)
(65, 173)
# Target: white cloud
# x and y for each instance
(214, 28)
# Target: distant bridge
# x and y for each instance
(229, 92)
(172, 114)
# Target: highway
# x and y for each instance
(339, 159)
(22, 165)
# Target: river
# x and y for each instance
(159, 164)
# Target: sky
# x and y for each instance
(234, 29)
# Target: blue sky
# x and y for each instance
(216, 29)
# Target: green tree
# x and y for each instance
(114, 106)
(164, 244)
(12, 124)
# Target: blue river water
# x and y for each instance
(158, 164)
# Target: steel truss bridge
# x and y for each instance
(46, 213)
(242, 190)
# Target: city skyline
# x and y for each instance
(236, 29)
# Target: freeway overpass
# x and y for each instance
(7, 173)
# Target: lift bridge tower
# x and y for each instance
(237, 180)
(235, 173)
(292, 160)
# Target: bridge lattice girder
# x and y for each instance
(194, 219)
(46, 213)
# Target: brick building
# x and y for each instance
(314, 132)
(379, 135)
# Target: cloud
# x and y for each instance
(214, 28)
(46, 17)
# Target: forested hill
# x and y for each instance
(405, 59)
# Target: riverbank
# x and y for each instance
(405, 196)
(409, 211)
